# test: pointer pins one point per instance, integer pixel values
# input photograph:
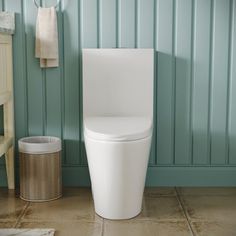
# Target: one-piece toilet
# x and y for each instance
(118, 116)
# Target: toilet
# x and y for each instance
(117, 122)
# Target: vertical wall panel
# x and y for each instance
(89, 23)
(52, 83)
(127, 23)
(153, 157)
(19, 68)
(1, 5)
(108, 25)
(201, 81)
(145, 23)
(145, 39)
(232, 98)
(90, 30)
(183, 52)
(82, 154)
(71, 81)
(219, 81)
(194, 75)
(165, 82)
(34, 74)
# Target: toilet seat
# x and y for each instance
(110, 128)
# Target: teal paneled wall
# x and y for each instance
(194, 140)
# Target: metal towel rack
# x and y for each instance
(56, 5)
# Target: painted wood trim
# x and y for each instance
(6, 81)
(156, 176)
(5, 97)
(5, 144)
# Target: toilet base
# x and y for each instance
(127, 217)
(118, 172)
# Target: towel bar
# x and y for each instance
(56, 5)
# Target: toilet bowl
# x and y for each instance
(117, 118)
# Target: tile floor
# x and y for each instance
(166, 212)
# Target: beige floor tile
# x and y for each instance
(207, 191)
(214, 228)
(161, 209)
(68, 228)
(74, 205)
(169, 229)
(7, 225)
(11, 208)
(159, 191)
(134, 228)
(210, 208)
(125, 228)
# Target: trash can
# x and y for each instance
(40, 168)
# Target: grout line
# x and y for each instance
(21, 215)
(184, 211)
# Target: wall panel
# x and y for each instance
(89, 23)
(219, 81)
(52, 83)
(232, 88)
(165, 82)
(201, 81)
(184, 23)
(35, 75)
(145, 23)
(127, 23)
(195, 87)
(108, 15)
(71, 81)
(19, 67)
(1, 5)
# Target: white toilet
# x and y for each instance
(117, 116)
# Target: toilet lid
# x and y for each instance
(117, 128)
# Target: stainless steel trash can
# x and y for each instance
(40, 168)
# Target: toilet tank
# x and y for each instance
(118, 82)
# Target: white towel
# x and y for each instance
(46, 45)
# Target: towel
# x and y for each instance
(46, 45)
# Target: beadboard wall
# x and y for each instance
(194, 141)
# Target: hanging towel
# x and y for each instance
(46, 45)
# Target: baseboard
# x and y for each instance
(3, 176)
(191, 176)
(156, 176)
(75, 176)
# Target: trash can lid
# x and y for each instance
(39, 144)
